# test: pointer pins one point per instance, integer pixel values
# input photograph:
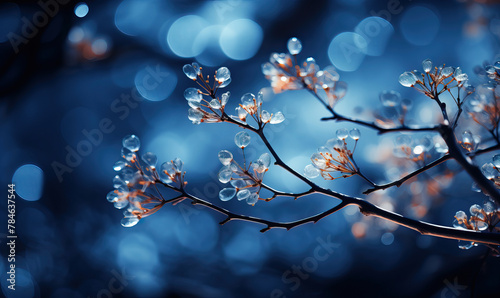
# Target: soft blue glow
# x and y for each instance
(10, 15)
(81, 9)
(133, 17)
(419, 25)
(155, 82)
(29, 182)
(182, 35)
(24, 284)
(377, 32)
(387, 239)
(199, 233)
(241, 39)
(346, 51)
(137, 253)
(210, 52)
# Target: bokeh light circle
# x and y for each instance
(133, 17)
(241, 39)
(419, 25)
(377, 32)
(155, 82)
(182, 34)
(81, 9)
(347, 51)
(28, 180)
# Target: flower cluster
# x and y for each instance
(246, 181)
(418, 149)
(435, 81)
(133, 180)
(252, 105)
(212, 110)
(324, 162)
(394, 109)
(480, 219)
(469, 141)
(490, 71)
(484, 107)
(203, 110)
(491, 170)
(284, 73)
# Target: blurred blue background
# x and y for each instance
(66, 67)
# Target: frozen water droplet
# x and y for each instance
(252, 199)
(225, 97)
(461, 215)
(238, 183)
(112, 196)
(496, 161)
(268, 69)
(355, 134)
(447, 71)
(242, 113)
(131, 142)
(340, 89)
(311, 171)
(223, 74)
(265, 116)
(460, 75)
(119, 165)
(407, 79)
(195, 116)
(475, 209)
(465, 244)
(247, 100)
(118, 182)
(227, 194)
(427, 65)
(189, 71)
(406, 104)
(215, 104)
(266, 160)
(166, 167)
(294, 46)
(177, 165)
(120, 204)
(342, 134)
(127, 154)
(242, 139)
(243, 194)
(192, 94)
(489, 207)
(196, 67)
(150, 159)
(475, 188)
(489, 170)
(227, 82)
(390, 98)
(225, 174)
(318, 160)
(225, 157)
(128, 222)
(277, 118)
